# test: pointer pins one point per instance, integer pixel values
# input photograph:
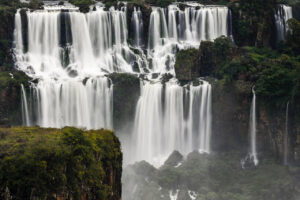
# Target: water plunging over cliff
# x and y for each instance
(69, 54)
(252, 130)
(137, 26)
(172, 29)
(253, 152)
(282, 15)
(171, 118)
(251, 157)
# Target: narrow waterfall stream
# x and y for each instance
(25, 113)
(253, 151)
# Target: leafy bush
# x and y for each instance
(293, 36)
(84, 5)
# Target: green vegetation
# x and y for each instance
(84, 5)
(71, 163)
(252, 22)
(275, 73)
(185, 62)
(293, 37)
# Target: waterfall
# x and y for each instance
(282, 15)
(171, 29)
(161, 125)
(137, 27)
(253, 152)
(70, 53)
(73, 103)
(25, 112)
(286, 136)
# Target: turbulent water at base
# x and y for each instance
(282, 15)
(69, 54)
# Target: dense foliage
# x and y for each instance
(71, 163)
(84, 5)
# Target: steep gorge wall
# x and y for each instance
(10, 78)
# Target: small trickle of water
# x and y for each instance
(286, 135)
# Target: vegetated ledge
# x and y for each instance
(68, 163)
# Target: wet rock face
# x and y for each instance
(231, 109)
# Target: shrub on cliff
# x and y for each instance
(293, 36)
(160, 3)
(252, 21)
(51, 163)
(276, 81)
(84, 5)
(185, 64)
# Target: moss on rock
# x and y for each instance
(126, 93)
(52, 163)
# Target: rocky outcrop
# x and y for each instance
(126, 92)
(10, 96)
(38, 163)
(217, 176)
(186, 65)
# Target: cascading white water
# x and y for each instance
(161, 125)
(253, 152)
(173, 28)
(72, 89)
(137, 27)
(286, 136)
(73, 103)
(69, 53)
(282, 15)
